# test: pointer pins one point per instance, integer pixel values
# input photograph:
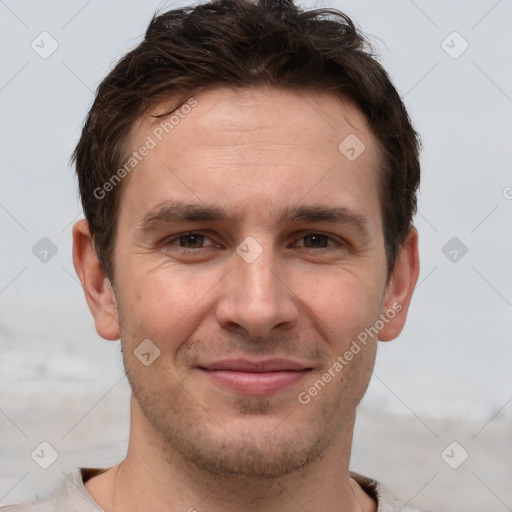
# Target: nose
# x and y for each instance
(255, 297)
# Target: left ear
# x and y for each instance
(400, 288)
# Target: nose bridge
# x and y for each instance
(257, 271)
(254, 296)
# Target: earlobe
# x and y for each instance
(97, 287)
(400, 288)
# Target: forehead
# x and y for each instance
(258, 114)
(254, 147)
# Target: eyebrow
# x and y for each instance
(176, 211)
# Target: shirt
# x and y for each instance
(72, 496)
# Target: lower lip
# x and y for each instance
(252, 383)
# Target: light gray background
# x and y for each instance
(447, 378)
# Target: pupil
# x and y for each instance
(316, 240)
(191, 240)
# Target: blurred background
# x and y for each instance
(436, 423)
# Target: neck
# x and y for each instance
(155, 477)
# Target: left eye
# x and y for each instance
(316, 241)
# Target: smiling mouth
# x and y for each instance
(256, 378)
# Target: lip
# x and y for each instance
(256, 378)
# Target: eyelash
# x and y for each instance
(170, 242)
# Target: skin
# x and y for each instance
(194, 443)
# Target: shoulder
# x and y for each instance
(43, 505)
(404, 507)
(70, 496)
(385, 501)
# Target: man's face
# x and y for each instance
(253, 308)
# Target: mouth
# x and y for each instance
(256, 378)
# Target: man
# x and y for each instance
(248, 175)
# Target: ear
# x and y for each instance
(97, 288)
(400, 288)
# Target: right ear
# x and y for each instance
(97, 288)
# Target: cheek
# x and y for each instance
(343, 302)
(162, 305)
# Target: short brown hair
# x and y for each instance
(240, 43)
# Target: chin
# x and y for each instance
(253, 454)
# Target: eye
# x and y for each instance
(315, 240)
(189, 241)
(318, 241)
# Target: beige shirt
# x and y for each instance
(71, 496)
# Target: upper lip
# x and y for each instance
(244, 365)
